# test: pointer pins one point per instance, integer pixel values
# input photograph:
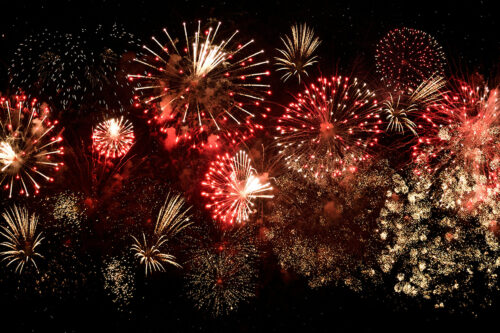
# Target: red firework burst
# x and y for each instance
(406, 57)
(113, 138)
(28, 145)
(203, 89)
(232, 186)
(330, 128)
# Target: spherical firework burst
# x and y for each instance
(28, 145)
(467, 134)
(232, 186)
(207, 87)
(222, 270)
(114, 137)
(172, 219)
(406, 57)
(21, 239)
(298, 52)
(330, 128)
(74, 69)
(435, 251)
(403, 110)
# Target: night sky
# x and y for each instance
(349, 30)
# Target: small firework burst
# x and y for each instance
(435, 251)
(232, 186)
(114, 137)
(119, 281)
(21, 238)
(298, 53)
(29, 148)
(402, 110)
(204, 88)
(222, 270)
(172, 219)
(74, 69)
(406, 57)
(329, 129)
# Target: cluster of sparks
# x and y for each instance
(29, 148)
(232, 185)
(330, 128)
(113, 138)
(205, 88)
(298, 53)
(406, 57)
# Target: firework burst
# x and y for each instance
(204, 88)
(222, 270)
(232, 186)
(28, 146)
(330, 128)
(172, 219)
(298, 52)
(406, 57)
(114, 137)
(21, 239)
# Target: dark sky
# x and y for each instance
(468, 32)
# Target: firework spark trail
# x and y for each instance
(298, 52)
(21, 238)
(172, 219)
(28, 147)
(113, 138)
(232, 185)
(211, 88)
(406, 57)
(330, 128)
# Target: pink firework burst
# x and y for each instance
(406, 57)
(330, 128)
(232, 185)
(204, 88)
(113, 137)
(29, 148)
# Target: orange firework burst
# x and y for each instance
(28, 146)
(204, 88)
(232, 186)
(113, 137)
(330, 128)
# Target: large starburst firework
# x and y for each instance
(172, 219)
(406, 57)
(29, 148)
(330, 128)
(114, 137)
(69, 70)
(298, 53)
(232, 185)
(204, 88)
(21, 238)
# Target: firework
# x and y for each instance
(222, 271)
(401, 110)
(113, 137)
(172, 219)
(28, 145)
(232, 186)
(406, 57)
(119, 281)
(433, 250)
(330, 128)
(324, 231)
(74, 69)
(466, 134)
(204, 88)
(298, 52)
(21, 238)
